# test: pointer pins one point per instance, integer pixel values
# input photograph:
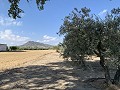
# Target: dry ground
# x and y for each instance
(46, 70)
(10, 60)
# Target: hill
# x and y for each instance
(35, 45)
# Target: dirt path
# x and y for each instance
(48, 72)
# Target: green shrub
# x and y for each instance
(13, 48)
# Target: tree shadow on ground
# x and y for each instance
(53, 76)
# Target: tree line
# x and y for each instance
(18, 48)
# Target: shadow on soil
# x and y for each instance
(55, 76)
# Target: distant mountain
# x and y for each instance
(34, 45)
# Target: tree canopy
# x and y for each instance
(86, 34)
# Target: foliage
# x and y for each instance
(13, 48)
(79, 36)
(58, 48)
(86, 34)
(32, 48)
(14, 10)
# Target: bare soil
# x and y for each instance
(46, 70)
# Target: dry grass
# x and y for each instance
(9, 60)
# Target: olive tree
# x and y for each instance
(112, 23)
(86, 34)
(78, 29)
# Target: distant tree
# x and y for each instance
(13, 48)
(86, 34)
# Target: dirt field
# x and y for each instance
(46, 70)
(10, 60)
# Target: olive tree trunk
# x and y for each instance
(117, 76)
(102, 63)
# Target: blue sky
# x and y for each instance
(42, 26)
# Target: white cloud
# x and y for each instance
(38, 41)
(47, 38)
(103, 12)
(4, 21)
(8, 35)
(50, 40)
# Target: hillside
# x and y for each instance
(34, 45)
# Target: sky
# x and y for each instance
(42, 26)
